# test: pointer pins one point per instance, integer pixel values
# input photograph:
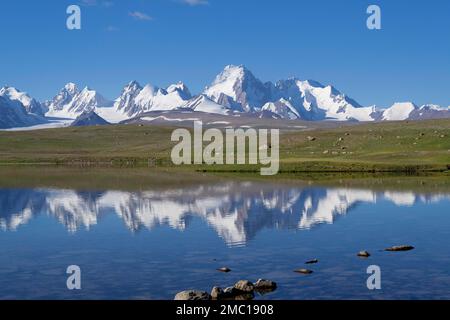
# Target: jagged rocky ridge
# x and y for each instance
(234, 91)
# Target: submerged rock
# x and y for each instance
(192, 295)
(303, 271)
(244, 286)
(224, 269)
(400, 248)
(363, 254)
(231, 293)
(313, 261)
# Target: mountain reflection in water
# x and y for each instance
(236, 211)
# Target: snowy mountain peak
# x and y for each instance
(62, 99)
(13, 113)
(399, 111)
(125, 103)
(235, 69)
(433, 107)
(239, 88)
(88, 90)
(70, 102)
(314, 101)
(150, 90)
(283, 109)
(133, 84)
(182, 90)
(29, 103)
(429, 111)
(202, 103)
(71, 88)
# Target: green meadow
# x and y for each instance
(408, 147)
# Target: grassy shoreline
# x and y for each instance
(400, 147)
(138, 179)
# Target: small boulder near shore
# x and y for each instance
(400, 248)
(231, 293)
(244, 286)
(224, 269)
(217, 293)
(263, 284)
(192, 295)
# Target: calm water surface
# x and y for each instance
(151, 244)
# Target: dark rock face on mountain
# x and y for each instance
(89, 119)
(13, 114)
(429, 112)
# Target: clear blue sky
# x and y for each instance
(324, 40)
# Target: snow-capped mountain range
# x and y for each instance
(234, 91)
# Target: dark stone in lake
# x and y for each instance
(192, 295)
(312, 261)
(400, 248)
(363, 254)
(303, 271)
(224, 269)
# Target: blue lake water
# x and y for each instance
(152, 244)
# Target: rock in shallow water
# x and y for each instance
(303, 271)
(217, 293)
(224, 269)
(244, 286)
(263, 284)
(400, 248)
(313, 261)
(363, 254)
(231, 293)
(192, 295)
